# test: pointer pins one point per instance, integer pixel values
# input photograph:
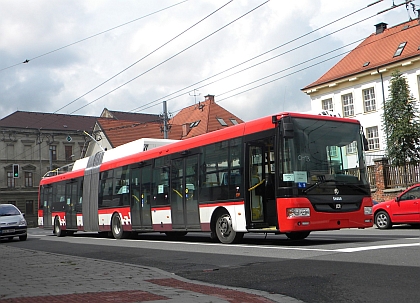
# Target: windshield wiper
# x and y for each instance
(316, 184)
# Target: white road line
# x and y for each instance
(355, 249)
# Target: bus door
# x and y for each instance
(71, 201)
(47, 205)
(184, 193)
(260, 182)
(140, 198)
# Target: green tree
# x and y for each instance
(401, 123)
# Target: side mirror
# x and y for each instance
(365, 143)
(398, 199)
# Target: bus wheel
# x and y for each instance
(299, 235)
(382, 220)
(57, 228)
(175, 235)
(224, 230)
(116, 227)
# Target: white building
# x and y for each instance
(357, 86)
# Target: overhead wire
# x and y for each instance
(171, 57)
(147, 55)
(255, 57)
(183, 49)
(144, 57)
(280, 71)
(87, 38)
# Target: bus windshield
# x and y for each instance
(323, 154)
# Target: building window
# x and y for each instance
(327, 105)
(372, 137)
(234, 122)
(369, 100)
(400, 49)
(29, 179)
(351, 148)
(348, 107)
(68, 150)
(53, 151)
(332, 151)
(29, 210)
(222, 122)
(10, 179)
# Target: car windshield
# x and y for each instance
(8, 210)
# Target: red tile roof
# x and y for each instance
(34, 120)
(378, 50)
(207, 113)
(119, 132)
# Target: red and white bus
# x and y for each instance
(285, 174)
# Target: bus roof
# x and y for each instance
(122, 158)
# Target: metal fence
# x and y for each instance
(396, 176)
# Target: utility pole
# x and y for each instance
(165, 121)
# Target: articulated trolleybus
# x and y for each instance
(285, 174)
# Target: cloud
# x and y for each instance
(51, 81)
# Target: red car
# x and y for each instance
(404, 209)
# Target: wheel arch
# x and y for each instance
(216, 213)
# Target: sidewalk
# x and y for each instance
(28, 276)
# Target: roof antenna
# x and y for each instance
(195, 96)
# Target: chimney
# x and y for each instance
(185, 129)
(209, 97)
(380, 27)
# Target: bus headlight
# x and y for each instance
(298, 212)
(368, 210)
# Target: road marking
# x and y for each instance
(355, 249)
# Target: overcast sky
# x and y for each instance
(171, 56)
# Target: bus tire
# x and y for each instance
(57, 228)
(382, 220)
(298, 235)
(116, 227)
(224, 231)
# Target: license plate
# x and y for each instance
(8, 231)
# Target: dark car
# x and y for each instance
(12, 223)
(404, 209)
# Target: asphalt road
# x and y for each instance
(336, 266)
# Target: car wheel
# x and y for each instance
(299, 235)
(116, 227)
(57, 228)
(23, 237)
(224, 230)
(382, 220)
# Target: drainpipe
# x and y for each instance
(383, 101)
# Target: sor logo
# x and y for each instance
(338, 206)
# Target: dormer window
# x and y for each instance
(400, 49)
(194, 124)
(222, 122)
(234, 122)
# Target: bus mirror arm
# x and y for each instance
(365, 143)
